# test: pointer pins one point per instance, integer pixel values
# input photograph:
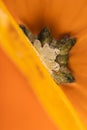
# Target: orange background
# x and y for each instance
(60, 16)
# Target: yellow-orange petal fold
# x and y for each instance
(20, 51)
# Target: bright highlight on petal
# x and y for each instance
(20, 51)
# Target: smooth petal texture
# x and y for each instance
(20, 108)
(61, 16)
